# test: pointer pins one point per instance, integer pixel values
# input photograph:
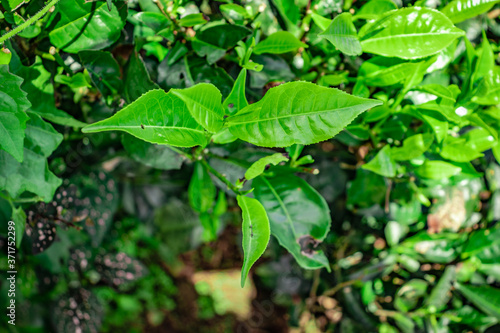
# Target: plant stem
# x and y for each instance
(28, 22)
(221, 177)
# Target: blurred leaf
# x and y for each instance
(279, 42)
(155, 156)
(461, 10)
(383, 163)
(342, 34)
(485, 298)
(201, 189)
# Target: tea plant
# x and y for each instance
(362, 136)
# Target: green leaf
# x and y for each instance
(440, 294)
(11, 5)
(213, 53)
(458, 151)
(382, 72)
(256, 232)
(409, 294)
(409, 33)
(156, 21)
(19, 218)
(237, 99)
(204, 103)
(342, 34)
(299, 217)
(479, 139)
(13, 104)
(382, 163)
(297, 112)
(192, 20)
(437, 170)
(321, 21)
(201, 189)
(413, 147)
(41, 92)
(234, 12)
(258, 167)
(33, 173)
(104, 71)
(279, 42)
(486, 298)
(374, 8)
(223, 36)
(488, 90)
(155, 156)
(137, 80)
(485, 245)
(82, 25)
(461, 10)
(155, 117)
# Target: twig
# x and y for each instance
(28, 22)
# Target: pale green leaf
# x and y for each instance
(204, 103)
(258, 167)
(237, 99)
(409, 33)
(297, 112)
(256, 232)
(277, 43)
(382, 163)
(155, 117)
(461, 10)
(374, 8)
(437, 170)
(342, 34)
(413, 147)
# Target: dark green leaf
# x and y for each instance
(485, 298)
(155, 156)
(299, 217)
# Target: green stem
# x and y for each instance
(223, 179)
(28, 22)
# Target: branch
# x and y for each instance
(28, 22)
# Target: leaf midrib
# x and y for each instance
(78, 19)
(282, 205)
(288, 116)
(371, 39)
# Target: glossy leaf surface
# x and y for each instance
(409, 33)
(299, 217)
(297, 112)
(87, 25)
(256, 232)
(155, 117)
